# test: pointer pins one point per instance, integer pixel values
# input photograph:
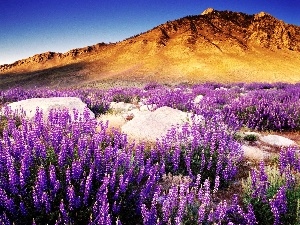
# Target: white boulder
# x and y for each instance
(198, 99)
(29, 106)
(122, 106)
(150, 126)
(148, 107)
(254, 153)
(277, 140)
(114, 120)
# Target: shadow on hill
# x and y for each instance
(58, 77)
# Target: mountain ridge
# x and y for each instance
(212, 38)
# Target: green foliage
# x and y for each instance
(122, 98)
(191, 214)
(261, 206)
(244, 114)
(201, 158)
(250, 137)
(3, 124)
(51, 157)
(98, 109)
(5, 120)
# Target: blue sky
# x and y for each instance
(31, 27)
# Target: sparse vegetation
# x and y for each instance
(250, 137)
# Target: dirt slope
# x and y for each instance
(220, 46)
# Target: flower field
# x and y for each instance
(63, 171)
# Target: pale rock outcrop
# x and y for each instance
(207, 11)
(30, 106)
(115, 121)
(122, 106)
(148, 107)
(197, 99)
(277, 140)
(150, 126)
(254, 153)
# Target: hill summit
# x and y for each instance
(222, 46)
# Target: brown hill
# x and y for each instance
(221, 46)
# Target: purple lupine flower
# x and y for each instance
(259, 182)
(198, 180)
(283, 162)
(112, 180)
(263, 177)
(116, 208)
(176, 157)
(36, 199)
(63, 212)
(145, 214)
(217, 183)
(187, 161)
(183, 196)
(206, 197)
(150, 183)
(141, 174)
(219, 213)
(23, 209)
(6, 202)
(88, 185)
(62, 155)
(40, 149)
(24, 169)
(250, 216)
(71, 197)
(4, 219)
(76, 169)
(278, 204)
(54, 182)
(68, 176)
(101, 206)
(45, 200)
(41, 181)
(124, 181)
(13, 178)
(150, 216)
(288, 157)
(201, 214)
(169, 203)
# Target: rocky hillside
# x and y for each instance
(214, 46)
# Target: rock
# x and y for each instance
(269, 32)
(207, 11)
(150, 126)
(254, 153)
(114, 120)
(198, 99)
(29, 106)
(121, 106)
(134, 113)
(197, 119)
(277, 140)
(148, 107)
(221, 88)
(261, 14)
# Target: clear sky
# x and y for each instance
(31, 27)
